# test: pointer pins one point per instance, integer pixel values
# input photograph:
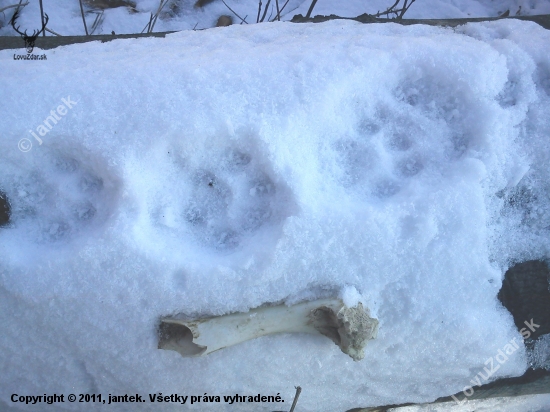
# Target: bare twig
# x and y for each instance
(399, 13)
(153, 17)
(404, 9)
(13, 5)
(298, 391)
(278, 11)
(308, 15)
(259, 11)
(98, 20)
(83, 19)
(265, 11)
(152, 26)
(388, 10)
(52, 32)
(282, 8)
(161, 6)
(232, 11)
(42, 18)
(148, 25)
(19, 5)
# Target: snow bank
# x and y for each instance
(212, 172)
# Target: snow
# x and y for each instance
(211, 172)
(66, 19)
(540, 357)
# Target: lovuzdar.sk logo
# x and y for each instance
(29, 40)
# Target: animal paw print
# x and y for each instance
(59, 198)
(230, 201)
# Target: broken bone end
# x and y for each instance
(178, 337)
(349, 328)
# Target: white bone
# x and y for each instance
(349, 328)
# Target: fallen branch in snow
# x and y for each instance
(50, 42)
(542, 19)
(399, 13)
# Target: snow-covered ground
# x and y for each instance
(213, 171)
(66, 18)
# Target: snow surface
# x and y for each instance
(214, 171)
(540, 356)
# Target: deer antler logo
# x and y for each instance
(29, 40)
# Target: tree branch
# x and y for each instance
(265, 11)
(278, 17)
(232, 11)
(83, 19)
(13, 5)
(308, 15)
(259, 11)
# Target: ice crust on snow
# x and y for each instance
(212, 172)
